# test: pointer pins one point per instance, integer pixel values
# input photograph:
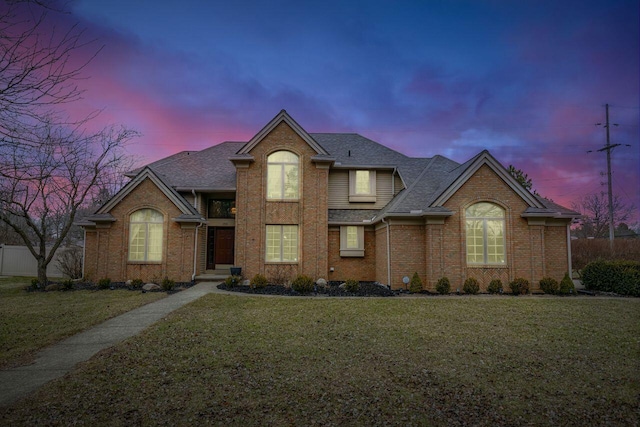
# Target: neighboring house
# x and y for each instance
(332, 206)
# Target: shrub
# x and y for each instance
(471, 286)
(35, 284)
(549, 285)
(232, 281)
(69, 261)
(302, 284)
(259, 281)
(67, 285)
(443, 286)
(621, 277)
(104, 283)
(351, 285)
(519, 286)
(495, 286)
(281, 275)
(415, 285)
(566, 285)
(585, 251)
(137, 283)
(168, 284)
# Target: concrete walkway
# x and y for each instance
(55, 361)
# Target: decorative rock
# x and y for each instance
(128, 282)
(321, 282)
(245, 282)
(151, 287)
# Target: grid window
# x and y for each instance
(145, 235)
(485, 234)
(282, 243)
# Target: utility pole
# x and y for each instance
(608, 147)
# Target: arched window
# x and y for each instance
(145, 235)
(282, 176)
(485, 234)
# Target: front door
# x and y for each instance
(220, 246)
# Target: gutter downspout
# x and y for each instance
(388, 255)
(569, 251)
(195, 238)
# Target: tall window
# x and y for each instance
(485, 234)
(145, 235)
(282, 243)
(282, 176)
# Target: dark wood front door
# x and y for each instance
(220, 246)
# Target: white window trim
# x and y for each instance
(347, 252)
(360, 198)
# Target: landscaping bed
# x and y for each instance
(331, 289)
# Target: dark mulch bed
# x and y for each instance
(90, 286)
(367, 289)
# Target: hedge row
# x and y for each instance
(621, 277)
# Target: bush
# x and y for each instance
(104, 283)
(232, 281)
(549, 285)
(35, 284)
(67, 285)
(495, 286)
(137, 283)
(351, 285)
(443, 286)
(69, 261)
(259, 281)
(302, 284)
(168, 284)
(566, 285)
(519, 286)
(415, 285)
(471, 286)
(585, 251)
(621, 277)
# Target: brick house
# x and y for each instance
(332, 206)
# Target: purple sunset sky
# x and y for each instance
(525, 79)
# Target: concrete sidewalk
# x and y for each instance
(55, 361)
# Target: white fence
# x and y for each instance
(18, 261)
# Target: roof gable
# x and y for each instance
(468, 169)
(283, 116)
(148, 173)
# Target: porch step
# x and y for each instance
(208, 277)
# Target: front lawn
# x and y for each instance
(30, 321)
(239, 360)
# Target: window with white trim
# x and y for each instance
(282, 243)
(351, 241)
(145, 235)
(362, 186)
(485, 226)
(282, 176)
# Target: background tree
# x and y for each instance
(522, 178)
(50, 166)
(595, 211)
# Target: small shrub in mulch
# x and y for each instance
(352, 286)
(415, 286)
(495, 286)
(471, 286)
(443, 286)
(549, 285)
(519, 286)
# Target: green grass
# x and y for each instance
(30, 321)
(241, 361)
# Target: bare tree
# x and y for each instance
(50, 166)
(595, 211)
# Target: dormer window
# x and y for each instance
(362, 186)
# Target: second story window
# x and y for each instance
(282, 176)
(218, 208)
(362, 186)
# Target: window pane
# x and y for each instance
(154, 250)
(495, 242)
(484, 210)
(290, 181)
(475, 241)
(274, 182)
(282, 157)
(289, 243)
(273, 243)
(137, 242)
(362, 182)
(352, 237)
